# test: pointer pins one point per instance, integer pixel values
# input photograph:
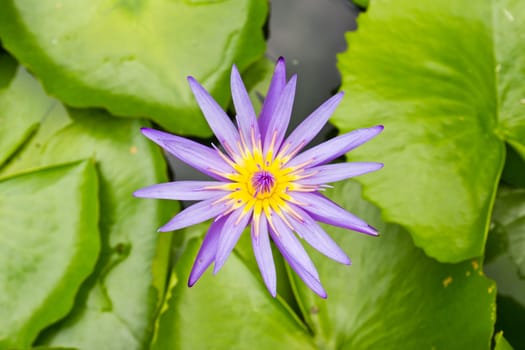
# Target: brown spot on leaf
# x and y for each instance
(314, 310)
(447, 281)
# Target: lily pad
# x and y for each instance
(509, 216)
(19, 119)
(507, 253)
(231, 310)
(446, 80)
(116, 306)
(362, 3)
(501, 342)
(51, 348)
(50, 244)
(394, 296)
(132, 57)
(514, 170)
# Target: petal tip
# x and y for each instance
(195, 86)
(322, 293)
(148, 132)
(194, 277)
(372, 231)
(164, 229)
(155, 135)
(217, 266)
(346, 261)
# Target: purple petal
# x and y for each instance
(181, 190)
(316, 236)
(293, 246)
(312, 282)
(263, 254)
(336, 172)
(195, 214)
(207, 251)
(217, 119)
(311, 126)
(246, 118)
(322, 209)
(294, 253)
(274, 91)
(200, 157)
(331, 149)
(280, 118)
(230, 234)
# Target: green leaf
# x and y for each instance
(501, 342)
(244, 251)
(132, 57)
(446, 80)
(362, 3)
(50, 243)
(510, 315)
(18, 118)
(514, 170)
(509, 216)
(231, 310)
(117, 305)
(505, 248)
(121, 301)
(394, 296)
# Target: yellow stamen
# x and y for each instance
(261, 183)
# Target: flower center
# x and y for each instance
(263, 183)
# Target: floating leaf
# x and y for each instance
(232, 310)
(514, 170)
(394, 296)
(506, 251)
(117, 305)
(509, 216)
(362, 3)
(132, 57)
(446, 80)
(50, 243)
(18, 118)
(501, 342)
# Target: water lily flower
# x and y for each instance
(262, 180)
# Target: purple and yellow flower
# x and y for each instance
(262, 180)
